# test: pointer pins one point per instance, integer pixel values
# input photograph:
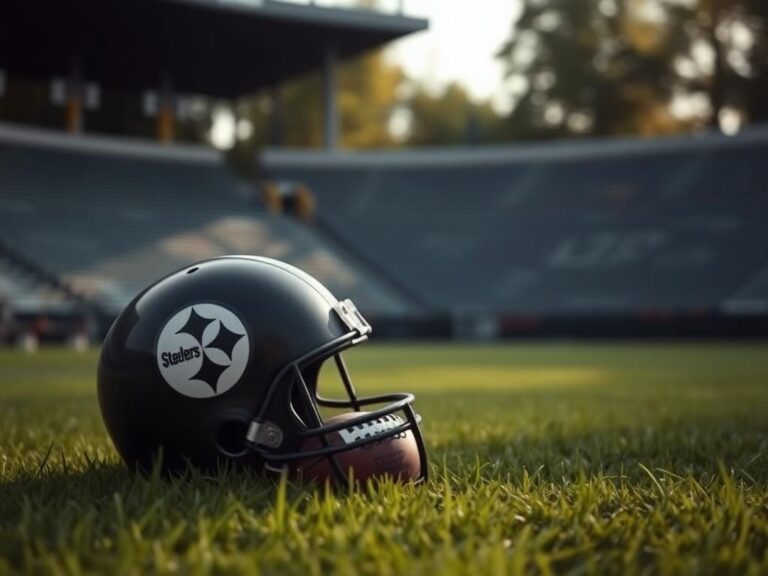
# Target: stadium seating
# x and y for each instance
(617, 227)
(109, 217)
(28, 294)
(565, 230)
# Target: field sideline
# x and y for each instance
(567, 458)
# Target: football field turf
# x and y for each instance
(545, 458)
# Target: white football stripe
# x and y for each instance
(370, 429)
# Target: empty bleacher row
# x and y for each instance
(676, 226)
(109, 217)
(29, 295)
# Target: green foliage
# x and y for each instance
(367, 95)
(737, 33)
(615, 66)
(451, 118)
(292, 114)
(590, 67)
(597, 459)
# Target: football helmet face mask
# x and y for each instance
(219, 362)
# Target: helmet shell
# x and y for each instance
(275, 314)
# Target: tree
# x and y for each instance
(588, 68)
(292, 113)
(368, 94)
(619, 66)
(735, 32)
(450, 118)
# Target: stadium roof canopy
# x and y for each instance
(223, 48)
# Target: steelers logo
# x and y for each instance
(203, 350)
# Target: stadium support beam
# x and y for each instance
(330, 99)
(166, 113)
(276, 125)
(74, 104)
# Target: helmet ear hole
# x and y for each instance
(231, 438)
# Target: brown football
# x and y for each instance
(396, 456)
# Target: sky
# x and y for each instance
(460, 44)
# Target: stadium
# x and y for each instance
(582, 320)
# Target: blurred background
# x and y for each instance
(461, 170)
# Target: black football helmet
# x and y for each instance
(219, 362)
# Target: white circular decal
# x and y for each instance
(203, 350)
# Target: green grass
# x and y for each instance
(545, 458)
